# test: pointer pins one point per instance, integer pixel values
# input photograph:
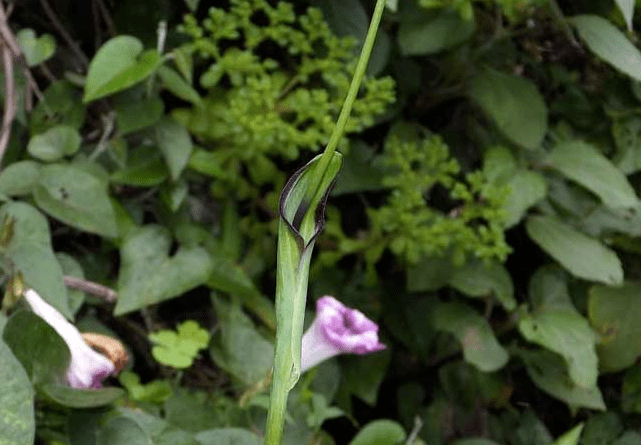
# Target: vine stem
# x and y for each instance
(352, 92)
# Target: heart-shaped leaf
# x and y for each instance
(54, 143)
(118, 65)
(148, 275)
(35, 49)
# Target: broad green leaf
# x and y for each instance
(61, 105)
(479, 280)
(568, 334)
(380, 432)
(54, 143)
(44, 355)
(613, 313)
(135, 115)
(365, 386)
(526, 188)
(71, 267)
(81, 398)
(581, 255)
(31, 252)
(148, 275)
(601, 428)
(174, 194)
(35, 49)
(77, 197)
(19, 178)
(122, 430)
(177, 85)
(116, 66)
(548, 290)
(547, 370)
(178, 349)
(480, 346)
(228, 436)
(238, 347)
(145, 168)
(627, 137)
(433, 33)
(606, 41)
(175, 144)
(627, 10)
(17, 417)
(571, 437)
(585, 165)
(514, 104)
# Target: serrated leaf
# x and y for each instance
(31, 252)
(584, 164)
(117, 66)
(175, 144)
(514, 104)
(54, 143)
(17, 417)
(568, 334)
(606, 41)
(35, 49)
(581, 255)
(77, 197)
(613, 313)
(480, 346)
(148, 275)
(547, 370)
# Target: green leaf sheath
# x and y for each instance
(295, 244)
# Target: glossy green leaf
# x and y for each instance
(61, 105)
(548, 371)
(228, 436)
(380, 432)
(568, 334)
(148, 275)
(433, 34)
(81, 398)
(581, 255)
(122, 430)
(175, 144)
(179, 348)
(117, 66)
(35, 49)
(585, 165)
(77, 197)
(613, 313)
(480, 346)
(19, 178)
(145, 168)
(606, 41)
(132, 116)
(32, 254)
(17, 417)
(176, 84)
(239, 348)
(571, 437)
(44, 355)
(514, 104)
(54, 143)
(478, 280)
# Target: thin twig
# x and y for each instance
(10, 99)
(108, 123)
(104, 292)
(63, 33)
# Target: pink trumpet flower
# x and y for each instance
(337, 329)
(87, 367)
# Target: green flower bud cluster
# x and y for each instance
(276, 84)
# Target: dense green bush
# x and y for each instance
(486, 217)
